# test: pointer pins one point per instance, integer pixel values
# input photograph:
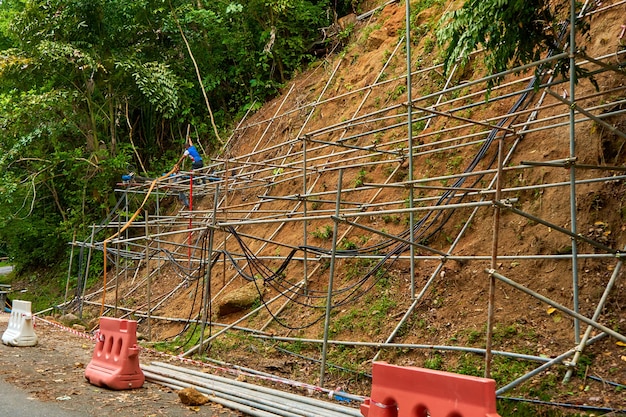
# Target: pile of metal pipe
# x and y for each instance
(248, 398)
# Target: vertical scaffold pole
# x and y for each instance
(572, 172)
(409, 109)
(86, 276)
(304, 209)
(494, 261)
(69, 269)
(207, 278)
(148, 279)
(190, 219)
(117, 269)
(329, 297)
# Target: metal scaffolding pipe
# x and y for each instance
(290, 402)
(391, 345)
(330, 281)
(551, 362)
(558, 306)
(234, 405)
(353, 152)
(595, 317)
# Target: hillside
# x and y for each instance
(268, 225)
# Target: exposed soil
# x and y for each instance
(453, 309)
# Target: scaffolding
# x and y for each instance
(289, 205)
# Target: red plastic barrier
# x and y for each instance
(399, 391)
(115, 360)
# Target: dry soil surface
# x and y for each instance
(53, 371)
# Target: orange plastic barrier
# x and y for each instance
(399, 391)
(115, 360)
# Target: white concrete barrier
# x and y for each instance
(20, 331)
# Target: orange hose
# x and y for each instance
(126, 226)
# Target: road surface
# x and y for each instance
(18, 403)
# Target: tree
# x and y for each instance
(74, 76)
(512, 32)
(89, 87)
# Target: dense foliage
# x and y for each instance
(511, 32)
(91, 87)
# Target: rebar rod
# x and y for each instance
(409, 107)
(86, 275)
(69, 268)
(572, 155)
(148, 280)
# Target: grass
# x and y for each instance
(366, 32)
(505, 370)
(501, 333)
(43, 293)
(323, 233)
(347, 244)
(395, 219)
(521, 409)
(297, 347)
(224, 346)
(360, 179)
(6, 279)
(344, 359)
(469, 364)
(434, 362)
(371, 317)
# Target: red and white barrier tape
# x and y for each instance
(65, 328)
(232, 371)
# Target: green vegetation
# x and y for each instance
(522, 409)
(511, 32)
(6, 279)
(470, 364)
(360, 179)
(324, 232)
(347, 244)
(92, 89)
(435, 362)
(219, 348)
(49, 291)
(387, 218)
(396, 92)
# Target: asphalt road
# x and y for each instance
(17, 403)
